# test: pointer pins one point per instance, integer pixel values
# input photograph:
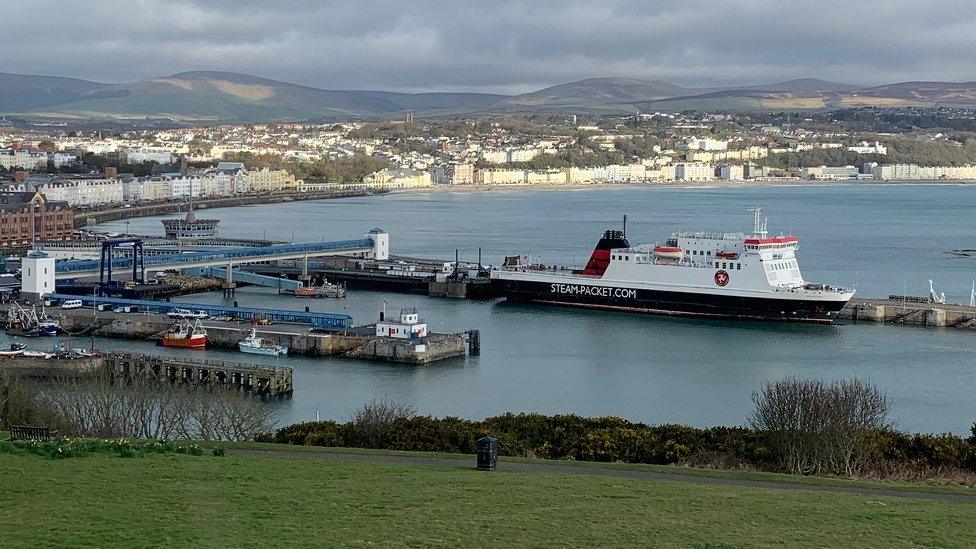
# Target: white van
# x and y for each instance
(71, 304)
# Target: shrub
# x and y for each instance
(811, 426)
(372, 424)
(822, 428)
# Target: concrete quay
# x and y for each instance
(914, 313)
(358, 342)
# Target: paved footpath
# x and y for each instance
(605, 471)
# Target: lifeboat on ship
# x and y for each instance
(668, 252)
(727, 255)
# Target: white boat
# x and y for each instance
(186, 313)
(255, 345)
(16, 349)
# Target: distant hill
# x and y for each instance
(223, 96)
(236, 97)
(20, 92)
(803, 85)
(596, 92)
(957, 93)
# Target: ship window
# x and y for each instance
(723, 264)
(738, 266)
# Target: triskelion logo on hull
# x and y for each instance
(597, 291)
(721, 278)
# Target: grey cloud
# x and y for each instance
(507, 45)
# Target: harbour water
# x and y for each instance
(886, 239)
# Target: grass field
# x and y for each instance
(233, 501)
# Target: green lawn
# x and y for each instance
(177, 500)
(735, 474)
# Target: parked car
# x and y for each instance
(71, 304)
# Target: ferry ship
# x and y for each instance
(709, 274)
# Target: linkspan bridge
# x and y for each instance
(375, 244)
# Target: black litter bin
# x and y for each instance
(487, 453)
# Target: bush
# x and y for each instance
(812, 426)
(851, 435)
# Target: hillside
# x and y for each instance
(220, 96)
(235, 97)
(22, 92)
(802, 85)
(924, 93)
(597, 92)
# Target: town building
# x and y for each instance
(266, 180)
(693, 171)
(706, 144)
(500, 176)
(731, 172)
(869, 148)
(24, 159)
(83, 190)
(27, 216)
(454, 173)
(149, 154)
(401, 178)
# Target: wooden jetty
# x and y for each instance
(249, 378)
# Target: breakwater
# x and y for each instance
(912, 313)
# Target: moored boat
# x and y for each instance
(256, 345)
(185, 334)
(327, 289)
(15, 349)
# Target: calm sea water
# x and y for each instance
(883, 239)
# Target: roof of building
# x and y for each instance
(230, 167)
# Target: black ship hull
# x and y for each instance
(669, 303)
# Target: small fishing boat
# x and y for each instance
(16, 349)
(327, 289)
(48, 327)
(256, 345)
(184, 334)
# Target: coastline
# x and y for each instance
(150, 210)
(711, 184)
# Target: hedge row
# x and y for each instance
(606, 439)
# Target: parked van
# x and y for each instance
(71, 304)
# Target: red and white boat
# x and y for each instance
(713, 274)
(185, 334)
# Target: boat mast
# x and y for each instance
(758, 222)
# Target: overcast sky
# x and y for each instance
(495, 45)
